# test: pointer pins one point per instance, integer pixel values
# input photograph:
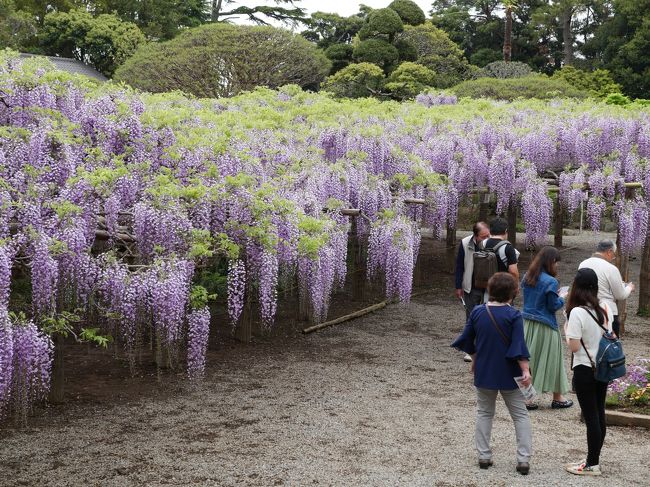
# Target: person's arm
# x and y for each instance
(619, 291)
(511, 258)
(574, 329)
(553, 300)
(514, 270)
(460, 270)
(574, 345)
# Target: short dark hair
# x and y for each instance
(478, 226)
(502, 287)
(498, 226)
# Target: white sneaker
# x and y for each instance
(467, 357)
(583, 469)
(573, 464)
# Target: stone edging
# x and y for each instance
(619, 418)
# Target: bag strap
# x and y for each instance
(593, 364)
(595, 318)
(494, 322)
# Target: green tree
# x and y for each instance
(622, 46)
(158, 19)
(218, 60)
(382, 23)
(104, 41)
(17, 28)
(225, 10)
(356, 81)
(376, 51)
(408, 11)
(340, 55)
(326, 29)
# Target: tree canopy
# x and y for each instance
(218, 60)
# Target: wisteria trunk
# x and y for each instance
(451, 235)
(484, 206)
(558, 217)
(644, 280)
(512, 223)
(57, 389)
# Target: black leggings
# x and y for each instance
(591, 396)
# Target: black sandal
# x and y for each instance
(561, 404)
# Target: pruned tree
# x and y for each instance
(219, 60)
(225, 10)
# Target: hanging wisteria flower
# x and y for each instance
(236, 289)
(198, 322)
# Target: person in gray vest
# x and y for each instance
(610, 283)
(465, 289)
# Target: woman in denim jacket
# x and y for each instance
(543, 339)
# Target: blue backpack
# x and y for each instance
(610, 359)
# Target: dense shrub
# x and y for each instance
(598, 83)
(503, 70)
(218, 60)
(409, 79)
(408, 11)
(534, 86)
(355, 81)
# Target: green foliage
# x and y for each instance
(449, 70)
(376, 51)
(406, 50)
(103, 41)
(503, 70)
(384, 23)
(199, 297)
(485, 56)
(617, 99)
(355, 81)
(17, 27)
(220, 60)
(340, 55)
(92, 335)
(408, 11)
(428, 40)
(598, 83)
(326, 28)
(535, 86)
(409, 79)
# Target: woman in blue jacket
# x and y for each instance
(543, 339)
(494, 337)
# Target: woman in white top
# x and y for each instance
(587, 320)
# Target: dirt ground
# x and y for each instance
(381, 400)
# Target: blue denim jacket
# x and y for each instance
(542, 301)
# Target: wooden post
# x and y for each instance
(358, 269)
(558, 217)
(451, 236)
(644, 280)
(483, 207)
(512, 222)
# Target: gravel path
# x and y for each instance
(382, 400)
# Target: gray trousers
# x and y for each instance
(472, 299)
(486, 402)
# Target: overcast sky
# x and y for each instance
(341, 7)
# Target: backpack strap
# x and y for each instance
(498, 247)
(494, 322)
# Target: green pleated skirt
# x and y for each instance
(546, 357)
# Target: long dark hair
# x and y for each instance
(580, 295)
(544, 261)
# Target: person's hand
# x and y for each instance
(459, 293)
(472, 367)
(631, 286)
(525, 378)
